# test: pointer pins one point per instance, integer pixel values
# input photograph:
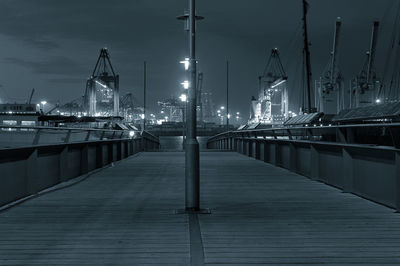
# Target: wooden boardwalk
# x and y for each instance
(261, 215)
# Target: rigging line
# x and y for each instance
(391, 45)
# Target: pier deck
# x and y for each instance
(261, 214)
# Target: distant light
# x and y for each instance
(229, 116)
(237, 113)
(131, 134)
(222, 107)
(142, 116)
(218, 111)
(378, 100)
(162, 111)
(278, 83)
(185, 63)
(183, 97)
(38, 105)
(101, 84)
(43, 102)
(185, 84)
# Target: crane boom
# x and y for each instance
(372, 50)
(335, 50)
(30, 97)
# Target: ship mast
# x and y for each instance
(306, 51)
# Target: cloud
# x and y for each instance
(53, 65)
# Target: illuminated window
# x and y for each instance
(28, 124)
(9, 123)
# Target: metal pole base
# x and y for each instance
(192, 174)
(194, 211)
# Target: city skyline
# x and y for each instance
(52, 46)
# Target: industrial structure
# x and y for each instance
(365, 87)
(330, 89)
(172, 109)
(102, 88)
(271, 107)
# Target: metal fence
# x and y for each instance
(27, 170)
(369, 170)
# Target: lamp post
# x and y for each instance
(144, 94)
(227, 96)
(43, 103)
(192, 155)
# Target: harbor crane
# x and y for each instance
(272, 100)
(366, 86)
(329, 86)
(102, 88)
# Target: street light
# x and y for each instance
(185, 84)
(185, 63)
(192, 154)
(183, 97)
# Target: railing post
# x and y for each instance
(119, 150)
(293, 157)
(110, 147)
(63, 164)
(276, 156)
(126, 150)
(36, 138)
(99, 155)
(257, 150)
(84, 159)
(314, 162)
(249, 147)
(68, 136)
(397, 180)
(348, 171)
(31, 172)
(266, 151)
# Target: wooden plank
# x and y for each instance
(261, 214)
(267, 215)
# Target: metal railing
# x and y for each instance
(383, 134)
(342, 156)
(25, 171)
(14, 136)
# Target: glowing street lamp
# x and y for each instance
(185, 63)
(43, 102)
(183, 97)
(185, 84)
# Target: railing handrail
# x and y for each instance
(70, 128)
(317, 127)
(105, 133)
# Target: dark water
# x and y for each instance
(175, 143)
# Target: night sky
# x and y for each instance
(52, 46)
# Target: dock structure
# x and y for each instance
(261, 214)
